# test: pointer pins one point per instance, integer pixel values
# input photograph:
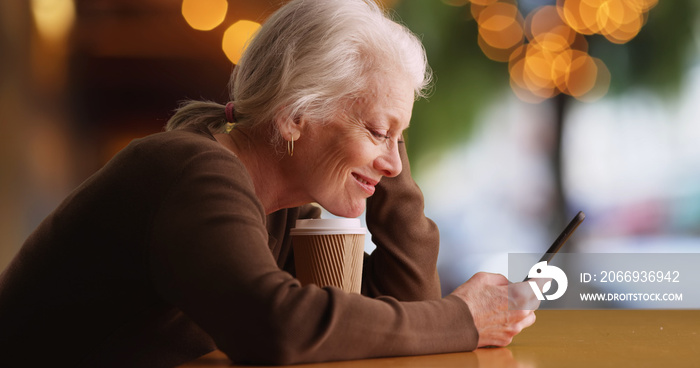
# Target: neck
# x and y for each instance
(267, 168)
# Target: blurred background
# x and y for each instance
(539, 109)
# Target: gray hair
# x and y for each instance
(311, 58)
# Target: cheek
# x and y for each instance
(333, 162)
(351, 151)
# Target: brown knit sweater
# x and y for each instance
(166, 254)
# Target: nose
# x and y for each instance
(389, 162)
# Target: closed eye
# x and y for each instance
(379, 135)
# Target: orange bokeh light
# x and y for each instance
(204, 15)
(500, 25)
(618, 20)
(581, 74)
(554, 61)
(483, 2)
(236, 38)
(602, 83)
(547, 52)
(544, 26)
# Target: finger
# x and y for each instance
(520, 296)
(519, 290)
(542, 281)
(527, 321)
(528, 302)
(515, 316)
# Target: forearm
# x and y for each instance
(303, 325)
(404, 263)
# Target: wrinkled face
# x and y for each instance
(348, 156)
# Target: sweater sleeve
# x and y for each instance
(210, 258)
(404, 264)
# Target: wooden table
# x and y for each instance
(600, 338)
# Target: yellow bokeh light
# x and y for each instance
(602, 83)
(591, 13)
(516, 64)
(581, 74)
(54, 18)
(561, 65)
(545, 27)
(553, 42)
(643, 6)
(204, 15)
(525, 94)
(618, 20)
(516, 67)
(494, 53)
(547, 53)
(529, 69)
(580, 43)
(500, 25)
(538, 69)
(566, 11)
(236, 38)
(623, 25)
(483, 2)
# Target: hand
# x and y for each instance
(487, 296)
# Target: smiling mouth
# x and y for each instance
(366, 183)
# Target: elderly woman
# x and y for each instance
(180, 245)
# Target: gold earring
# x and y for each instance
(290, 146)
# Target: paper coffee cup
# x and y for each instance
(329, 252)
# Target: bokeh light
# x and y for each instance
(600, 88)
(204, 15)
(547, 52)
(555, 60)
(546, 28)
(236, 38)
(483, 2)
(579, 75)
(500, 29)
(617, 20)
(53, 18)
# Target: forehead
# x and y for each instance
(388, 100)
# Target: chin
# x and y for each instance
(350, 212)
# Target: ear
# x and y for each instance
(290, 127)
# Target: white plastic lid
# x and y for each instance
(328, 226)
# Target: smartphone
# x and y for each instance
(562, 238)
